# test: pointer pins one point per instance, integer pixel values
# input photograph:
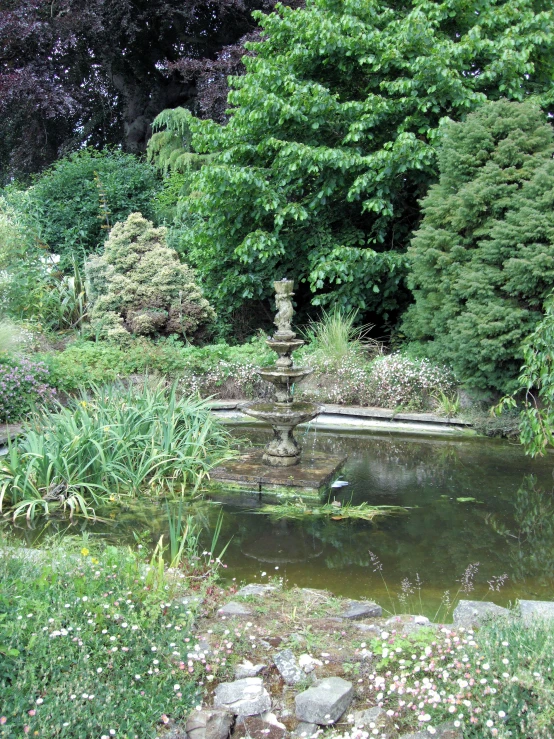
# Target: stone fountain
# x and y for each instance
(284, 414)
(280, 467)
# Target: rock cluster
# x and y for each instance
(244, 706)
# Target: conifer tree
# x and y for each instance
(483, 258)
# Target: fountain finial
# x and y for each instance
(284, 290)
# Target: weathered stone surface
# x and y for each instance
(406, 624)
(443, 731)
(288, 667)
(256, 589)
(246, 697)
(210, 723)
(474, 612)
(234, 609)
(247, 669)
(309, 663)
(375, 718)
(305, 730)
(536, 609)
(259, 727)
(367, 627)
(362, 609)
(325, 702)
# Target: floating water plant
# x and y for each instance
(299, 510)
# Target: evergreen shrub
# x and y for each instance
(138, 286)
(483, 257)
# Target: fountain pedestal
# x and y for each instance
(281, 464)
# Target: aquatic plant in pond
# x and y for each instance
(109, 444)
(298, 510)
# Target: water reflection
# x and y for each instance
(506, 526)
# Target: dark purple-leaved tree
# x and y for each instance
(99, 71)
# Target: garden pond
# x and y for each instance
(471, 500)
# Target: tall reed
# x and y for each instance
(110, 443)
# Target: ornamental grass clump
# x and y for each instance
(138, 286)
(110, 444)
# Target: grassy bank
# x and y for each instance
(94, 643)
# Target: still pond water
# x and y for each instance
(508, 528)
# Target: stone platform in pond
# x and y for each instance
(249, 474)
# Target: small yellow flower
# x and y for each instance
(94, 560)
(84, 403)
(85, 552)
(112, 498)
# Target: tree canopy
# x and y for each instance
(98, 71)
(483, 258)
(332, 139)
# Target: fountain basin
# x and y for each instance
(281, 414)
(285, 376)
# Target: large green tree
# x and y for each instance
(331, 140)
(483, 258)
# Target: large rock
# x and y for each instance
(234, 609)
(288, 667)
(357, 609)
(210, 723)
(375, 718)
(256, 589)
(536, 609)
(246, 697)
(325, 702)
(470, 613)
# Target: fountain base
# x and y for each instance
(249, 474)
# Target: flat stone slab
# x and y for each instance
(248, 669)
(246, 697)
(362, 609)
(288, 667)
(470, 613)
(234, 609)
(536, 609)
(325, 702)
(314, 471)
(256, 589)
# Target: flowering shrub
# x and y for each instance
(347, 382)
(397, 380)
(23, 385)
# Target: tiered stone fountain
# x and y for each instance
(283, 414)
(280, 471)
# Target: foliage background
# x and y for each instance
(331, 141)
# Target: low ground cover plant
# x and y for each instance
(96, 644)
(109, 444)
